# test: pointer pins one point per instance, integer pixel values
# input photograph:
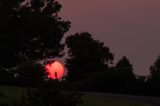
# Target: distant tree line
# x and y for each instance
(90, 65)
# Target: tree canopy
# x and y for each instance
(30, 31)
(155, 69)
(125, 77)
(86, 56)
(30, 74)
(154, 78)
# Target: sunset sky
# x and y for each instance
(128, 27)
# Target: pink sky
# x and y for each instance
(127, 27)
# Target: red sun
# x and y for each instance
(55, 70)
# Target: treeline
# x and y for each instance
(90, 65)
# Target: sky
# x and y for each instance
(129, 28)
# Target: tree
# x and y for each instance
(124, 75)
(86, 56)
(154, 79)
(30, 31)
(31, 74)
(141, 85)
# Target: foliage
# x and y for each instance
(30, 74)
(6, 77)
(52, 93)
(140, 86)
(116, 79)
(124, 74)
(154, 79)
(30, 31)
(155, 70)
(100, 82)
(86, 56)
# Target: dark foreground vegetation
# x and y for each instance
(52, 93)
(31, 31)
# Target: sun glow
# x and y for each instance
(55, 70)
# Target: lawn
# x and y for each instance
(98, 100)
(10, 94)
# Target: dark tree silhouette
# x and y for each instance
(116, 79)
(86, 56)
(53, 93)
(140, 85)
(154, 79)
(30, 74)
(124, 75)
(30, 31)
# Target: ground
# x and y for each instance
(10, 94)
(102, 99)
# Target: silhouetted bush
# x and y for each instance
(52, 93)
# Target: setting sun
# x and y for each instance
(55, 70)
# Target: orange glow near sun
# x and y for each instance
(55, 70)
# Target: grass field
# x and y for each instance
(11, 94)
(97, 100)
